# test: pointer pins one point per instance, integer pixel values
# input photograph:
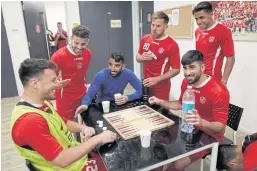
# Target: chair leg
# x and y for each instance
(234, 137)
(201, 166)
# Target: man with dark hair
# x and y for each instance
(239, 157)
(40, 134)
(211, 107)
(72, 64)
(110, 81)
(158, 52)
(215, 41)
(60, 37)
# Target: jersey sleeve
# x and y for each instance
(140, 50)
(32, 129)
(227, 43)
(56, 59)
(174, 57)
(136, 84)
(93, 89)
(220, 107)
(183, 89)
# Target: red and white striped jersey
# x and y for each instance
(166, 52)
(214, 43)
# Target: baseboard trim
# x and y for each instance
(246, 131)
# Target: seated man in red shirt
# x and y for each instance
(211, 107)
(40, 134)
(239, 157)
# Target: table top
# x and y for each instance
(126, 155)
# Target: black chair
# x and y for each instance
(234, 117)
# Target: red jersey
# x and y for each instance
(61, 42)
(250, 156)
(73, 67)
(214, 43)
(166, 51)
(211, 102)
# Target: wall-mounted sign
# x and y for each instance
(115, 23)
(37, 28)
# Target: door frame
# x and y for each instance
(136, 36)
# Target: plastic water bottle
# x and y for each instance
(188, 104)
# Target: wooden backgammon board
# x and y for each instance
(129, 122)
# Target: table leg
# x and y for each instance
(214, 155)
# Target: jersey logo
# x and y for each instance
(146, 46)
(211, 39)
(79, 65)
(202, 100)
(161, 50)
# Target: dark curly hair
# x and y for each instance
(81, 31)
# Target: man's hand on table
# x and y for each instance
(155, 100)
(87, 132)
(121, 100)
(80, 109)
(107, 136)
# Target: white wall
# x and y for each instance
(71, 15)
(55, 12)
(16, 34)
(242, 85)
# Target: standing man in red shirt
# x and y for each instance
(60, 37)
(215, 41)
(72, 64)
(211, 107)
(158, 52)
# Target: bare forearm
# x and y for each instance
(139, 58)
(228, 68)
(174, 105)
(73, 154)
(74, 126)
(168, 75)
(213, 127)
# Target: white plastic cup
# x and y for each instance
(117, 95)
(145, 136)
(106, 106)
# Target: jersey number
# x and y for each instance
(146, 46)
(93, 167)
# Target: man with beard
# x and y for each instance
(41, 135)
(110, 81)
(72, 64)
(215, 41)
(158, 52)
(211, 103)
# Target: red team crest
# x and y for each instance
(79, 65)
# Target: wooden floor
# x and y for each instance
(11, 161)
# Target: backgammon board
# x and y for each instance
(129, 122)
